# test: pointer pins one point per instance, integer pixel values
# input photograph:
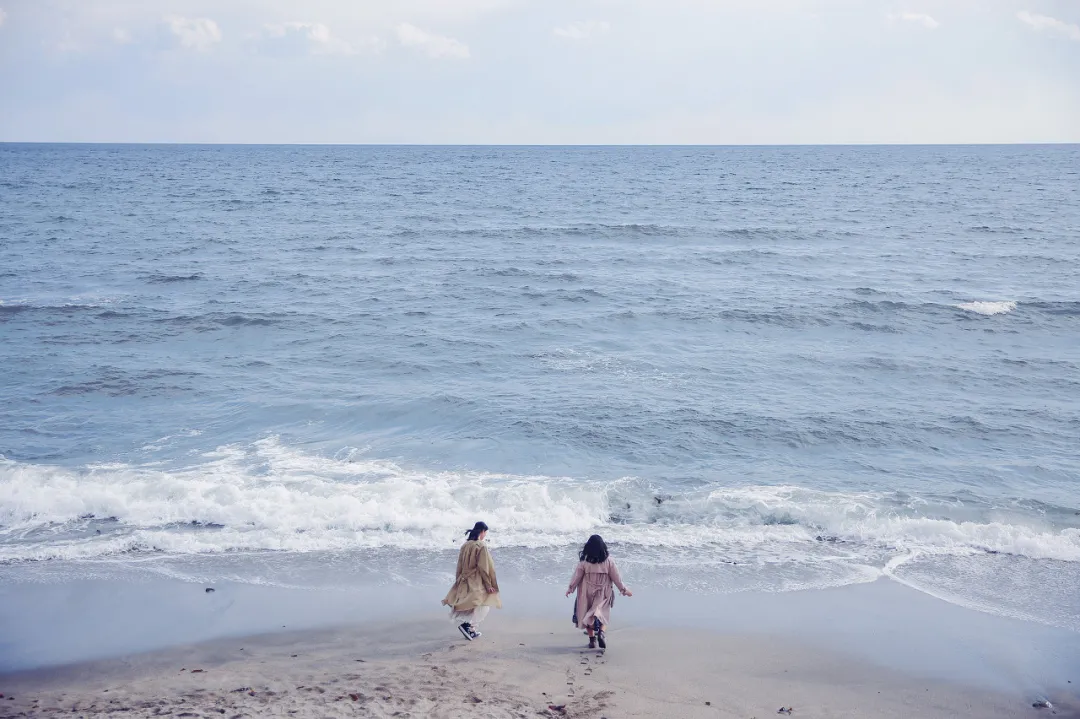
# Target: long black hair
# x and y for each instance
(474, 533)
(594, 551)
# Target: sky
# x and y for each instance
(540, 71)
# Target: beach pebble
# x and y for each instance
(1043, 704)
(785, 710)
(209, 590)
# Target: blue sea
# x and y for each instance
(759, 369)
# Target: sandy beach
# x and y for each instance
(519, 668)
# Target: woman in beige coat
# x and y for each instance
(593, 579)
(475, 589)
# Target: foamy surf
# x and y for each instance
(270, 497)
(988, 309)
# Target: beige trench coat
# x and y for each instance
(475, 574)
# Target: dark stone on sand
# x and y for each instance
(209, 590)
(708, 704)
(1042, 704)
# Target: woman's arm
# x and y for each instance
(575, 581)
(613, 572)
(486, 567)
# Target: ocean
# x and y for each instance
(749, 368)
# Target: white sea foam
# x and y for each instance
(988, 308)
(268, 496)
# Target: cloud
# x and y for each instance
(194, 33)
(434, 45)
(916, 17)
(1052, 25)
(3, 16)
(315, 38)
(121, 36)
(582, 30)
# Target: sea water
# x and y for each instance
(766, 369)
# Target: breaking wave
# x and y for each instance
(268, 496)
(988, 308)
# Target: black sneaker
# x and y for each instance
(602, 639)
(466, 631)
(475, 634)
(592, 642)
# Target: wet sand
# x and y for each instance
(519, 668)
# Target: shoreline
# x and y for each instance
(517, 669)
(826, 652)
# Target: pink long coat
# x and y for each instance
(595, 595)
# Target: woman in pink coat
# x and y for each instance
(593, 579)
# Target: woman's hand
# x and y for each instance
(569, 592)
(491, 590)
(627, 593)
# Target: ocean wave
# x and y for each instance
(588, 229)
(268, 496)
(64, 308)
(224, 319)
(1057, 308)
(988, 309)
(166, 279)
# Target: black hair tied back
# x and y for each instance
(474, 533)
(595, 550)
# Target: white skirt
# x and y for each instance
(473, 616)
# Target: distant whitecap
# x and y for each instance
(988, 308)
